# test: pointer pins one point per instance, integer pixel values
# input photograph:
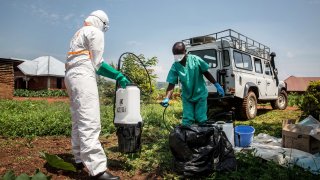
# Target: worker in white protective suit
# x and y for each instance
(83, 63)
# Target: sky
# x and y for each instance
(291, 28)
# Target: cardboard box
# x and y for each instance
(304, 138)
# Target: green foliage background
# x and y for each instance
(134, 70)
(295, 99)
(41, 93)
(311, 100)
(40, 118)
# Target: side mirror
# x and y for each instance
(275, 71)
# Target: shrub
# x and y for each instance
(295, 99)
(41, 93)
(311, 100)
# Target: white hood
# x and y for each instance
(98, 19)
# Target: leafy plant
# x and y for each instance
(56, 162)
(40, 93)
(34, 118)
(133, 69)
(311, 100)
(40, 118)
(37, 176)
(295, 99)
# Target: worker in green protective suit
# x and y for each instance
(190, 70)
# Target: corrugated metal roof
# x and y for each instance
(12, 59)
(299, 83)
(43, 66)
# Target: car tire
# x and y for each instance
(248, 109)
(282, 101)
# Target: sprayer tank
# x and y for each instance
(127, 109)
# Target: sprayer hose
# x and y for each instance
(118, 68)
(163, 119)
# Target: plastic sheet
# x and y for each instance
(269, 148)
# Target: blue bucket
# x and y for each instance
(243, 135)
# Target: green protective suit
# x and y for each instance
(194, 90)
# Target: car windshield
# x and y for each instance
(208, 55)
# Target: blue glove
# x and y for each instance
(165, 102)
(219, 89)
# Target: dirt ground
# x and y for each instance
(289, 108)
(22, 156)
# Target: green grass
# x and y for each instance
(39, 118)
(270, 121)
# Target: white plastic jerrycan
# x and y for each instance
(228, 128)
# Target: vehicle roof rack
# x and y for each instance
(235, 40)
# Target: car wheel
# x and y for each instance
(249, 106)
(282, 101)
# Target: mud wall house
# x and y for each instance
(299, 84)
(7, 66)
(45, 72)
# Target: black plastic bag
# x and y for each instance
(227, 160)
(195, 147)
(129, 138)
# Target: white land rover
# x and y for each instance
(244, 67)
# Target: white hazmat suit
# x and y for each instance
(83, 62)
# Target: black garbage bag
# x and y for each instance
(226, 158)
(195, 147)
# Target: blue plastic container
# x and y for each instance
(243, 135)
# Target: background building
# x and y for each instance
(299, 84)
(7, 66)
(45, 72)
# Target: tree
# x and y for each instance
(134, 70)
(311, 100)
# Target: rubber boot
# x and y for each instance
(79, 166)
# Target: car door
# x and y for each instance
(260, 80)
(243, 71)
(271, 87)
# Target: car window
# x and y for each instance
(242, 61)
(208, 55)
(257, 65)
(268, 69)
(238, 59)
(247, 63)
(226, 58)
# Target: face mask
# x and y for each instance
(178, 57)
